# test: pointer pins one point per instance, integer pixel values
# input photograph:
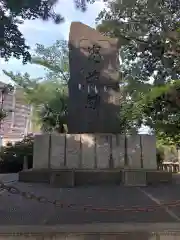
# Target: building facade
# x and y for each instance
(18, 122)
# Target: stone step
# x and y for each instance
(100, 231)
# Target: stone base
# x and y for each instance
(63, 178)
(35, 175)
(79, 177)
(156, 177)
(97, 177)
(134, 177)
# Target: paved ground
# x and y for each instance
(15, 209)
(9, 177)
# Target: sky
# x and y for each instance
(47, 33)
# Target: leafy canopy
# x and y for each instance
(13, 13)
(148, 32)
(49, 94)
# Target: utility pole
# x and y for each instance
(2, 104)
(3, 91)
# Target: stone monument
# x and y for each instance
(94, 96)
(93, 151)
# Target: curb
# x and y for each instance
(159, 228)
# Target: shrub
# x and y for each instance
(159, 157)
(12, 155)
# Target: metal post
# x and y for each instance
(49, 152)
(2, 103)
(65, 146)
(25, 163)
(80, 152)
(111, 162)
(141, 152)
(95, 151)
(178, 156)
(125, 152)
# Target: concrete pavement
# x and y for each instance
(22, 218)
(15, 209)
(19, 215)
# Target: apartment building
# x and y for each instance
(18, 121)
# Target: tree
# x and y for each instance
(13, 13)
(148, 32)
(48, 95)
(161, 107)
(12, 155)
(55, 60)
(53, 115)
(48, 98)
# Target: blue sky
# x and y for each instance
(47, 33)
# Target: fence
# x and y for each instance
(170, 167)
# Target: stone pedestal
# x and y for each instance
(63, 178)
(73, 151)
(88, 153)
(71, 159)
(103, 151)
(57, 150)
(41, 151)
(118, 150)
(134, 151)
(149, 151)
(134, 177)
(93, 86)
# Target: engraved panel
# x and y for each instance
(149, 151)
(57, 151)
(134, 151)
(93, 85)
(118, 147)
(73, 152)
(41, 151)
(103, 151)
(88, 151)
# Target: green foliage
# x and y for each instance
(13, 13)
(48, 95)
(147, 30)
(159, 156)
(161, 107)
(148, 33)
(53, 111)
(157, 107)
(12, 155)
(53, 116)
(12, 42)
(55, 60)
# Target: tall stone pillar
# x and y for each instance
(94, 96)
